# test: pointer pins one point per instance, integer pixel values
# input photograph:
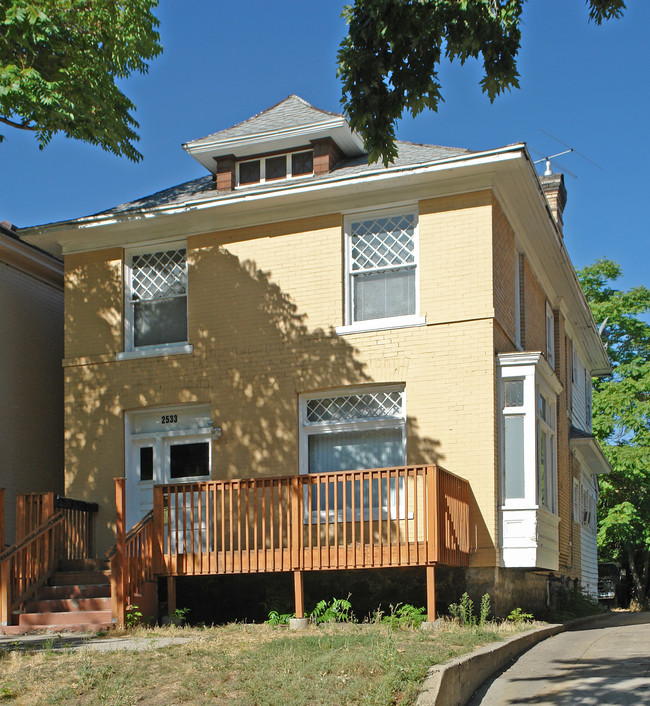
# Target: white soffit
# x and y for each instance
(207, 149)
(590, 453)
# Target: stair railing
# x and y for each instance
(131, 558)
(75, 539)
(27, 565)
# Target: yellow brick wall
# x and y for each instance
(261, 306)
(93, 303)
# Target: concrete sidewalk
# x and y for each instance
(454, 683)
(85, 641)
(606, 662)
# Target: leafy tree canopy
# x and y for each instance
(389, 60)
(621, 422)
(59, 63)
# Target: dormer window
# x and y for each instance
(284, 166)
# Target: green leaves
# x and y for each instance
(621, 422)
(388, 62)
(59, 60)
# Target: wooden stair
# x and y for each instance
(77, 598)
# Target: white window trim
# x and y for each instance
(154, 351)
(407, 320)
(130, 351)
(392, 322)
(262, 161)
(318, 428)
(538, 376)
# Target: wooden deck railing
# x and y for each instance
(27, 565)
(409, 516)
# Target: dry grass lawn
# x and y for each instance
(245, 664)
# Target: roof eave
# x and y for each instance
(207, 149)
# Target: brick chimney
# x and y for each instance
(555, 192)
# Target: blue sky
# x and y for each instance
(588, 86)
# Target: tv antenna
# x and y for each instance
(547, 158)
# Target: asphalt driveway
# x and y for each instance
(606, 663)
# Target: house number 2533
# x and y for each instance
(169, 418)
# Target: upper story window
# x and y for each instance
(156, 298)
(519, 267)
(381, 262)
(284, 166)
(550, 336)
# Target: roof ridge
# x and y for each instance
(268, 110)
(430, 144)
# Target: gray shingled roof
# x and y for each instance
(290, 112)
(409, 154)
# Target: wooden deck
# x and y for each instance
(379, 518)
(365, 519)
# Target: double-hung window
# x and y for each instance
(381, 261)
(546, 455)
(346, 431)
(550, 336)
(156, 307)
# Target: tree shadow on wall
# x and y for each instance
(254, 354)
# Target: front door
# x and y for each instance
(164, 446)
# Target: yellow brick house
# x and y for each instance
(243, 348)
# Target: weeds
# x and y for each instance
(518, 616)
(338, 610)
(405, 616)
(276, 618)
(133, 616)
(463, 611)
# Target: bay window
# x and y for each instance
(528, 461)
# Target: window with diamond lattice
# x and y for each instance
(381, 266)
(158, 289)
(355, 431)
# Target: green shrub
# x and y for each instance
(518, 616)
(405, 616)
(276, 618)
(336, 611)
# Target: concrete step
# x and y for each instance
(36, 621)
(83, 565)
(82, 578)
(58, 605)
(74, 591)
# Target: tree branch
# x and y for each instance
(20, 126)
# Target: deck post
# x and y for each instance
(432, 514)
(5, 593)
(157, 530)
(2, 520)
(431, 593)
(299, 593)
(171, 595)
(296, 523)
(119, 565)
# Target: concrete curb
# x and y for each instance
(453, 683)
